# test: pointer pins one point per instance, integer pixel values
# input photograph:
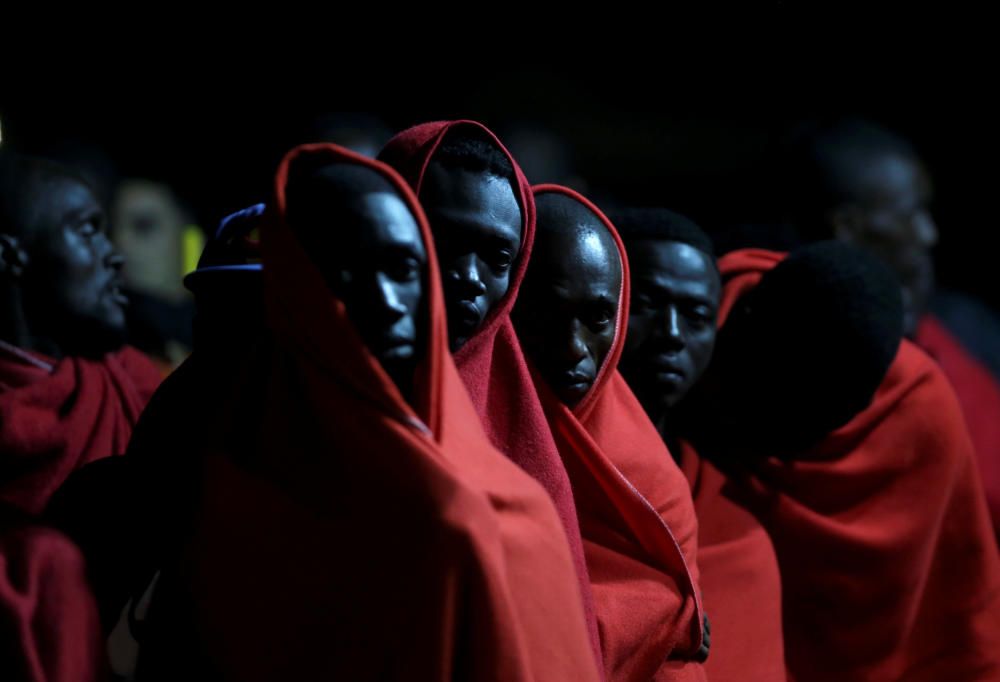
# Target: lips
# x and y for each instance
(394, 345)
(575, 380)
(114, 289)
(572, 386)
(667, 372)
(465, 316)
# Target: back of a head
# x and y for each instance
(823, 166)
(228, 285)
(659, 224)
(805, 351)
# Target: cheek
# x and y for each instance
(74, 276)
(496, 286)
(411, 295)
(602, 344)
(701, 348)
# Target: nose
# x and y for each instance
(387, 298)
(113, 258)
(463, 275)
(575, 349)
(926, 229)
(672, 327)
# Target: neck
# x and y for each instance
(15, 329)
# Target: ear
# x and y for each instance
(13, 258)
(845, 224)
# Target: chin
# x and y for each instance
(399, 354)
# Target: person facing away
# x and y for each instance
(867, 186)
(350, 493)
(635, 509)
(847, 443)
(675, 293)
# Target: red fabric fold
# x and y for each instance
(57, 415)
(636, 516)
(492, 363)
(740, 580)
(347, 535)
(49, 627)
(978, 394)
(888, 563)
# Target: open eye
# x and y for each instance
(404, 270)
(598, 320)
(501, 260)
(699, 316)
(89, 228)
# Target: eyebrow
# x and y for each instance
(497, 233)
(88, 213)
(403, 248)
(672, 293)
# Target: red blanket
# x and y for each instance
(49, 628)
(636, 516)
(346, 534)
(740, 580)
(57, 415)
(492, 364)
(978, 394)
(888, 563)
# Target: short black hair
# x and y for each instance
(21, 179)
(470, 148)
(660, 224)
(814, 339)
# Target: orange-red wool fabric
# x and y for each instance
(740, 581)
(58, 415)
(347, 534)
(492, 363)
(978, 394)
(636, 516)
(888, 563)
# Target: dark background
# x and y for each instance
(652, 129)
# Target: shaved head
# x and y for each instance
(568, 312)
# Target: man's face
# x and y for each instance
(73, 279)
(377, 270)
(566, 316)
(477, 230)
(675, 292)
(147, 225)
(891, 218)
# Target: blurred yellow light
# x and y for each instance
(192, 244)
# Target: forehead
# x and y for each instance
(674, 263)
(472, 199)
(61, 198)
(583, 254)
(384, 219)
(895, 176)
